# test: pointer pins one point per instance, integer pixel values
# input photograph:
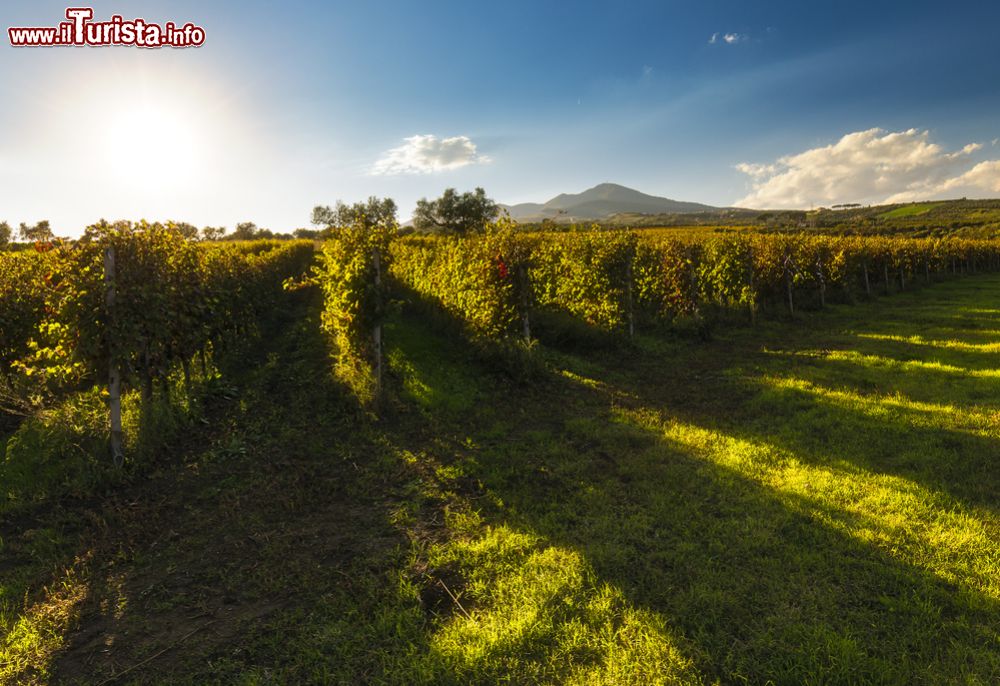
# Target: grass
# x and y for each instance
(807, 502)
(912, 210)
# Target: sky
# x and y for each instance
(288, 105)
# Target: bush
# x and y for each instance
(61, 451)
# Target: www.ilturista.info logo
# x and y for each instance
(81, 30)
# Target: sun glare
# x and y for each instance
(151, 145)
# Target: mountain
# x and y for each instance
(601, 202)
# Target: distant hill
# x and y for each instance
(601, 202)
(967, 218)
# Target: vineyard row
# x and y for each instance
(125, 305)
(497, 283)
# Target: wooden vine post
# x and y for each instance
(868, 284)
(522, 278)
(788, 283)
(629, 303)
(822, 282)
(114, 373)
(146, 375)
(692, 285)
(377, 264)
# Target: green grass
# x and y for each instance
(804, 502)
(913, 210)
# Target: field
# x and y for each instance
(812, 499)
(965, 217)
(913, 210)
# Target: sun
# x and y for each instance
(153, 146)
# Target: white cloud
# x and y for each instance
(870, 166)
(423, 154)
(984, 177)
(757, 171)
(727, 38)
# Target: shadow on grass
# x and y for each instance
(701, 510)
(923, 412)
(947, 448)
(630, 516)
(259, 548)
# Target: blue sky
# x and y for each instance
(293, 104)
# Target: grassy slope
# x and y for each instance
(807, 503)
(968, 218)
(913, 210)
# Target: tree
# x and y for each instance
(213, 233)
(5, 234)
(189, 231)
(311, 234)
(454, 213)
(39, 233)
(374, 212)
(245, 231)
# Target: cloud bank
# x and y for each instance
(872, 166)
(424, 154)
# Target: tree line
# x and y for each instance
(42, 232)
(452, 213)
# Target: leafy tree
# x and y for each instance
(374, 212)
(5, 234)
(456, 213)
(245, 231)
(213, 233)
(310, 234)
(189, 231)
(39, 233)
